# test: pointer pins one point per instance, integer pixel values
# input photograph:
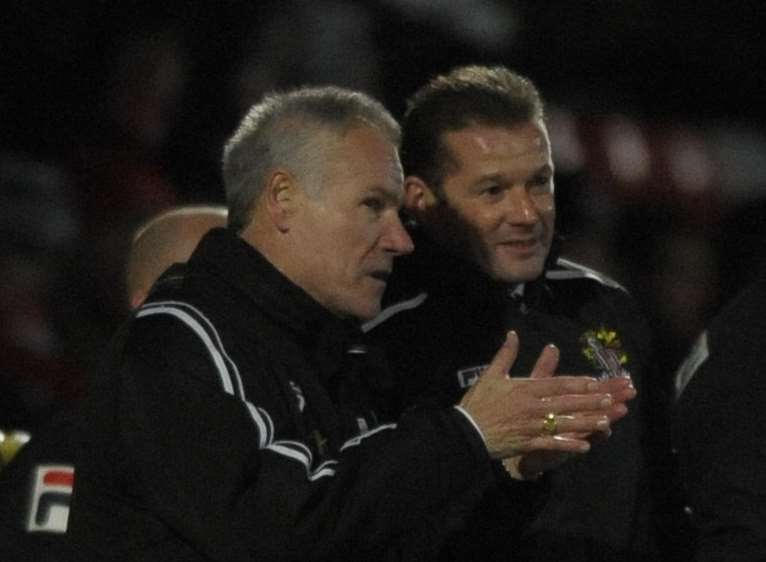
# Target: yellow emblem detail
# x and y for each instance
(603, 349)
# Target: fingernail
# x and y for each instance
(593, 386)
(603, 423)
(606, 402)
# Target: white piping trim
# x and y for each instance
(298, 451)
(219, 343)
(279, 447)
(220, 358)
(354, 441)
(223, 372)
(320, 473)
(294, 450)
(472, 422)
(691, 364)
(394, 309)
(263, 431)
(269, 423)
(299, 447)
(577, 271)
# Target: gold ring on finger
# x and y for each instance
(550, 425)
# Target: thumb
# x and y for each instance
(504, 358)
(546, 363)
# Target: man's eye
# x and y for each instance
(492, 190)
(541, 184)
(374, 204)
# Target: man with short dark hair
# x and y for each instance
(235, 418)
(479, 187)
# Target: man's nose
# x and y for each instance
(396, 238)
(520, 207)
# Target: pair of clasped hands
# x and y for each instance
(534, 424)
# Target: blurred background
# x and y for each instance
(111, 111)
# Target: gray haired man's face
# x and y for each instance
(350, 233)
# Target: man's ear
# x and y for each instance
(418, 196)
(282, 197)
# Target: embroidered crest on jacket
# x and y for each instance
(603, 349)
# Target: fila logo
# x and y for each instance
(49, 503)
(468, 376)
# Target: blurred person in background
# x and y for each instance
(39, 227)
(116, 161)
(719, 388)
(33, 515)
(718, 432)
(168, 238)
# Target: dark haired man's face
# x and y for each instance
(496, 206)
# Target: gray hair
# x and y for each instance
(290, 130)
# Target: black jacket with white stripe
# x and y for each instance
(444, 319)
(234, 420)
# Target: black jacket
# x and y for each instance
(234, 421)
(720, 418)
(442, 329)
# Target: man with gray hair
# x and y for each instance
(236, 418)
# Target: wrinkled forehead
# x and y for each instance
(364, 153)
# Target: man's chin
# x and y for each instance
(361, 312)
(517, 274)
(369, 314)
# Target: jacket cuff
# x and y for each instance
(471, 432)
(473, 423)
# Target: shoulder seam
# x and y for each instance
(575, 270)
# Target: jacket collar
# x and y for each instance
(230, 258)
(434, 270)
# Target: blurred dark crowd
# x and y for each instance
(112, 111)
